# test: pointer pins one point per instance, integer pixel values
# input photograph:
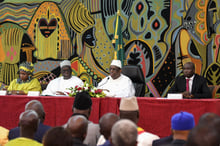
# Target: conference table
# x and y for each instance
(155, 113)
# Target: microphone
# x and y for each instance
(104, 82)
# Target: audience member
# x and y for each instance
(78, 125)
(203, 135)
(25, 82)
(216, 124)
(106, 122)
(57, 136)
(42, 129)
(28, 122)
(191, 85)
(129, 110)
(181, 123)
(117, 84)
(207, 132)
(82, 106)
(3, 136)
(61, 85)
(208, 118)
(124, 133)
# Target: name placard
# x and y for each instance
(3, 92)
(33, 93)
(174, 96)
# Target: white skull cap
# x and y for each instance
(65, 63)
(116, 63)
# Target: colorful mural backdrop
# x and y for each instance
(158, 35)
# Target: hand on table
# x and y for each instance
(60, 93)
(187, 94)
(16, 92)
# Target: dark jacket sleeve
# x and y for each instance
(200, 88)
(178, 86)
(14, 133)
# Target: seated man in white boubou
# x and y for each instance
(117, 84)
(60, 85)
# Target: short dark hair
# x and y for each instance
(203, 135)
(82, 101)
(57, 136)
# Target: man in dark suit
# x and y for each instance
(42, 129)
(163, 141)
(181, 124)
(196, 87)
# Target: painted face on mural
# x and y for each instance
(146, 26)
(89, 38)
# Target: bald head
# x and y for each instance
(106, 122)
(124, 133)
(77, 125)
(191, 64)
(37, 107)
(28, 122)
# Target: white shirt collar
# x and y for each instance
(191, 78)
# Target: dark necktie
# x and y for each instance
(187, 84)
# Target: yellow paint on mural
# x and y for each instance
(2, 53)
(184, 41)
(49, 46)
(184, 44)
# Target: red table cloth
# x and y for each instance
(155, 114)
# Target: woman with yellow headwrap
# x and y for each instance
(25, 82)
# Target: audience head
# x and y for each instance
(129, 109)
(66, 70)
(124, 133)
(182, 121)
(181, 124)
(25, 71)
(82, 104)
(188, 69)
(28, 122)
(216, 124)
(115, 69)
(208, 118)
(37, 107)
(203, 135)
(57, 136)
(207, 132)
(106, 122)
(77, 125)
